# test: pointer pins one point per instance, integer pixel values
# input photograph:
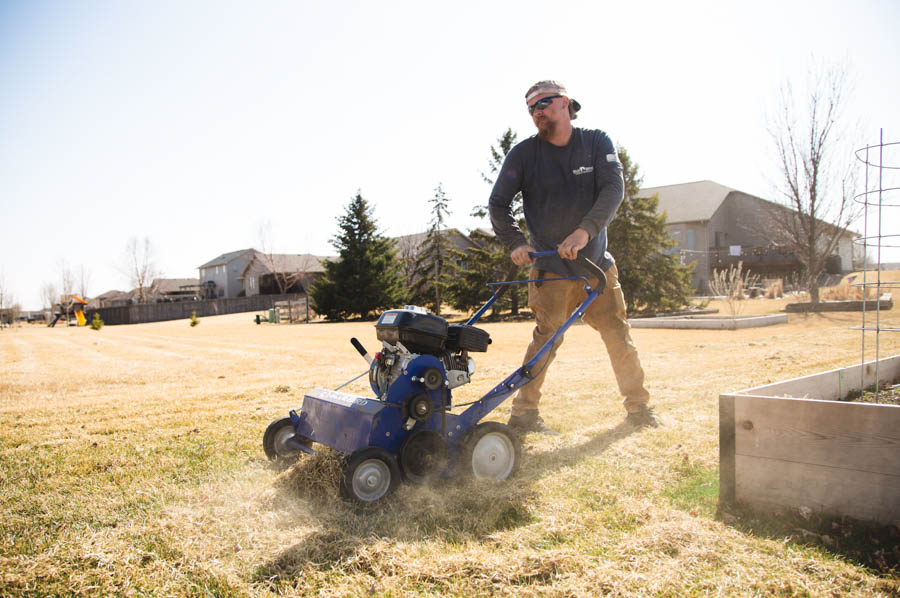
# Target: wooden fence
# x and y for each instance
(178, 310)
(293, 311)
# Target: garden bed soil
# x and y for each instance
(823, 306)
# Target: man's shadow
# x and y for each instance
(453, 510)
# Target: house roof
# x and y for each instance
(414, 240)
(163, 286)
(689, 202)
(698, 201)
(225, 258)
(113, 295)
(302, 262)
(305, 263)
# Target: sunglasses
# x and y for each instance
(542, 103)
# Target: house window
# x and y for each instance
(690, 239)
(675, 235)
(720, 239)
(252, 281)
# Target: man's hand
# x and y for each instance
(520, 255)
(571, 245)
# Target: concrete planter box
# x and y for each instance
(709, 322)
(795, 446)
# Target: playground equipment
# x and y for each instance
(77, 306)
(408, 429)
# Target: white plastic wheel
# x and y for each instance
(492, 452)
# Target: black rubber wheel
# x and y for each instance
(491, 451)
(423, 456)
(370, 475)
(276, 437)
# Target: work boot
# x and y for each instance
(530, 421)
(642, 418)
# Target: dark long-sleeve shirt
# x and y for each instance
(563, 188)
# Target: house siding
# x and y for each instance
(227, 275)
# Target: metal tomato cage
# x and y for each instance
(880, 195)
(408, 430)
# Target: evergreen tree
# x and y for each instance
(473, 269)
(490, 262)
(651, 279)
(366, 278)
(430, 274)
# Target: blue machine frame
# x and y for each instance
(348, 423)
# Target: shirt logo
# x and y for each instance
(612, 158)
(583, 170)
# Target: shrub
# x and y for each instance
(775, 290)
(96, 323)
(730, 284)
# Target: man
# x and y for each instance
(571, 184)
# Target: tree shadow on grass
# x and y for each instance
(454, 511)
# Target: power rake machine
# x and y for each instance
(408, 430)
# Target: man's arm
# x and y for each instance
(508, 183)
(610, 188)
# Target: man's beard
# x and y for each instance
(546, 128)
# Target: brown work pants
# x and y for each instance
(552, 303)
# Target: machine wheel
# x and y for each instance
(424, 454)
(491, 452)
(276, 437)
(371, 474)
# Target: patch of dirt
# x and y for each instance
(888, 394)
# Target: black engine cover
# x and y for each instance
(467, 338)
(419, 332)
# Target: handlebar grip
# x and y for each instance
(362, 350)
(595, 270)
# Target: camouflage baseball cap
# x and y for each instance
(554, 87)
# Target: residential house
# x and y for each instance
(408, 247)
(164, 290)
(112, 299)
(271, 274)
(717, 226)
(250, 272)
(222, 277)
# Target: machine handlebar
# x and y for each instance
(596, 271)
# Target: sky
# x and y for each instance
(195, 123)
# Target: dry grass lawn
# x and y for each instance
(131, 464)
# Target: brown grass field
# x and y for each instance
(131, 465)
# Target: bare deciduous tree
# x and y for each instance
(139, 266)
(815, 175)
(283, 274)
(49, 296)
(66, 288)
(4, 298)
(84, 281)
